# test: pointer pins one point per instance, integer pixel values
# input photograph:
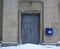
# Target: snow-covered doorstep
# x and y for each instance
(31, 46)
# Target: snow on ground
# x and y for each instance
(31, 46)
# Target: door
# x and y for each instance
(30, 28)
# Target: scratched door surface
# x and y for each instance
(30, 29)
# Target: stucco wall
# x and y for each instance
(10, 21)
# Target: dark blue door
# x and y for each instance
(30, 28)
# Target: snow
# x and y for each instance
(31, 46)
(59, 42)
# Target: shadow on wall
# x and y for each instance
(1, 18)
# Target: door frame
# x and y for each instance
(41, 23)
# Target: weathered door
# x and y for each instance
(30, 28)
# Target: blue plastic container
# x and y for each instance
(49, 31)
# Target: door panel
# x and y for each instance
(30, 28)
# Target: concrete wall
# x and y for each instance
(51, 19)
(10, 21)
(1, 17)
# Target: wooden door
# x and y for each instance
(30, 28)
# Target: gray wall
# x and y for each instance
(1, 16)
(51, 20)
(10, 21)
